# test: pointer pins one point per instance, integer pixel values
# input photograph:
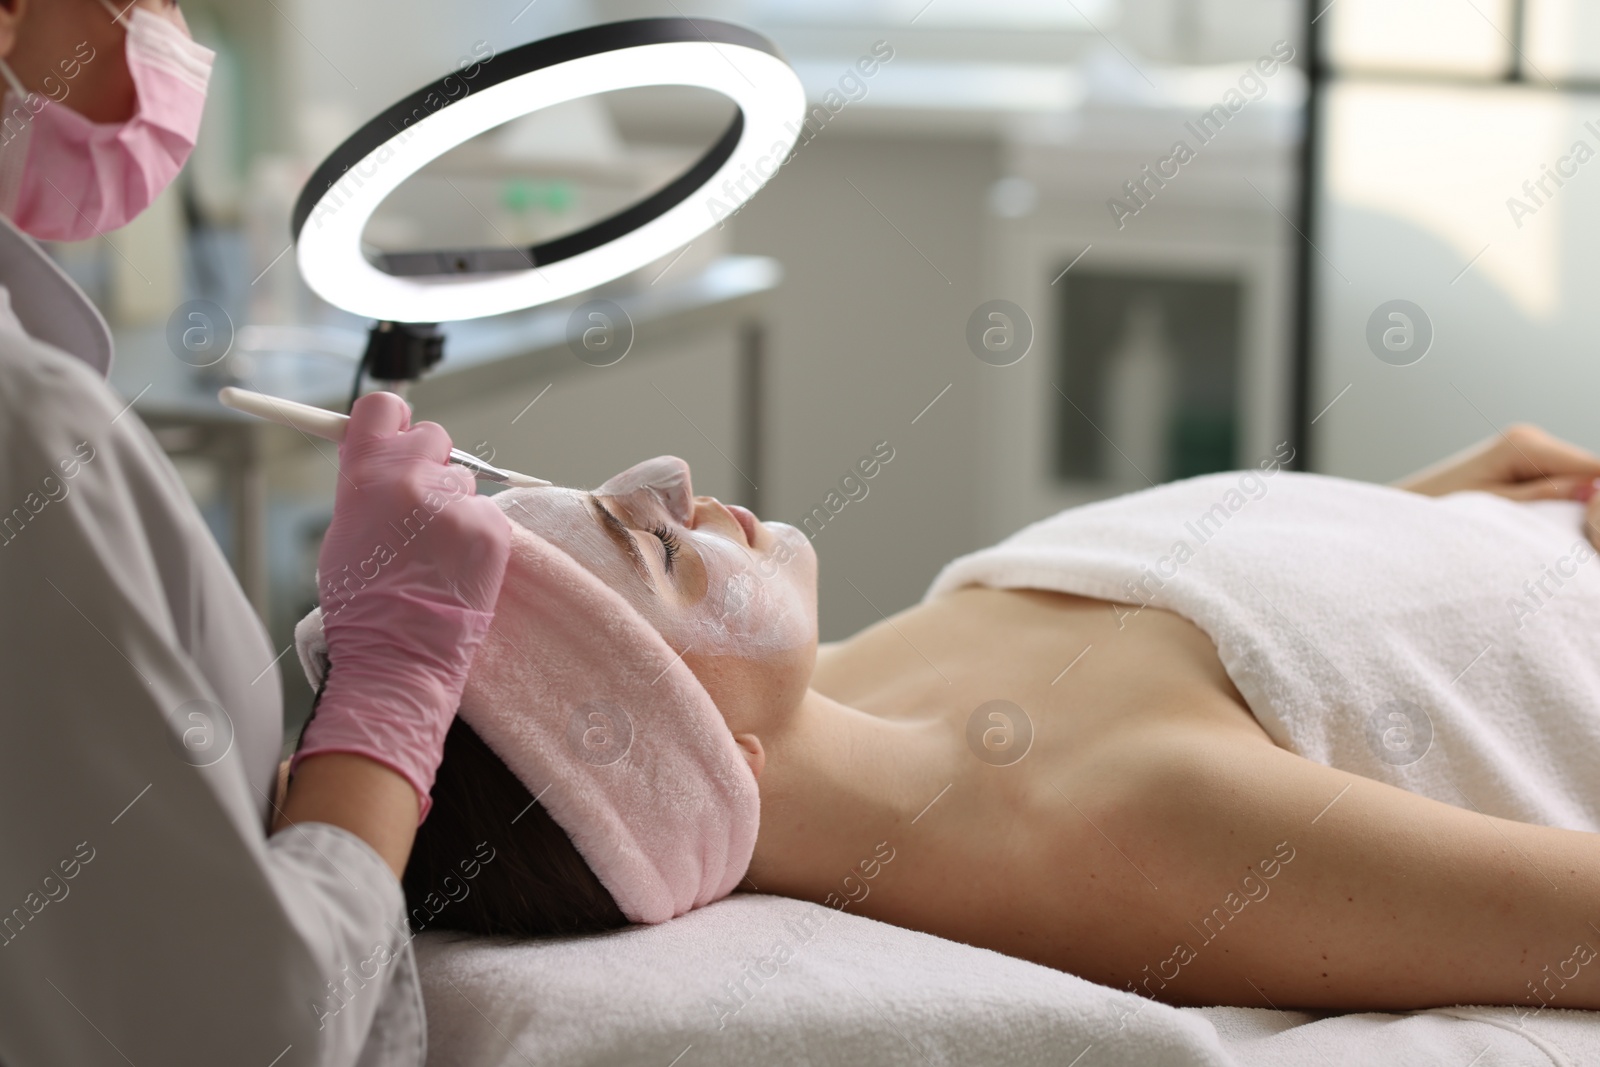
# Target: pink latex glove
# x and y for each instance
(408, 576)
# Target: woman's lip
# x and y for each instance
(747, 522)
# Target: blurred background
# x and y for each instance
(1047, 251)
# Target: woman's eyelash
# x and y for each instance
(669, 543)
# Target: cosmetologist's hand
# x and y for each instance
(408, 576)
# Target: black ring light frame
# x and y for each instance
(525, 59)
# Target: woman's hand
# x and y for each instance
(1522, 462)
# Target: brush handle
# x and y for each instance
(328, 425)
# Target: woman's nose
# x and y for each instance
(701, 506)
(666, 478)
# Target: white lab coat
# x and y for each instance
(145, 915)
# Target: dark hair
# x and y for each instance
(486, 835)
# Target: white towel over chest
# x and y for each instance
(1448, 646)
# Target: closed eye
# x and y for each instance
(669, 544)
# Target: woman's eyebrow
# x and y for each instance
(618, 532)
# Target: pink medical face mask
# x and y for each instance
(64, 178)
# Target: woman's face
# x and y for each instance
(46, 45)
(737, 597)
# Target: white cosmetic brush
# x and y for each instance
(330, 425)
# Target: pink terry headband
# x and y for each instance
(608, 728)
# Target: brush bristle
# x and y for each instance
(524, 481)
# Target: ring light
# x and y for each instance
(448, 285)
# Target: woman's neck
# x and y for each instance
(836, 782)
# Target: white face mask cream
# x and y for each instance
(712, 579)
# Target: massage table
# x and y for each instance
(756, 979)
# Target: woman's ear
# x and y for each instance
(754, 754)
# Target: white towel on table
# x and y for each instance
(765, 980)
(1339, 608)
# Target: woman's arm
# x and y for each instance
(355, 794)
(1522, 462)
(1294, 885)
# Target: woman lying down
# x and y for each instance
(1250, 738)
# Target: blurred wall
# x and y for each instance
(885, 222)
(882, 241)
(318, 70)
